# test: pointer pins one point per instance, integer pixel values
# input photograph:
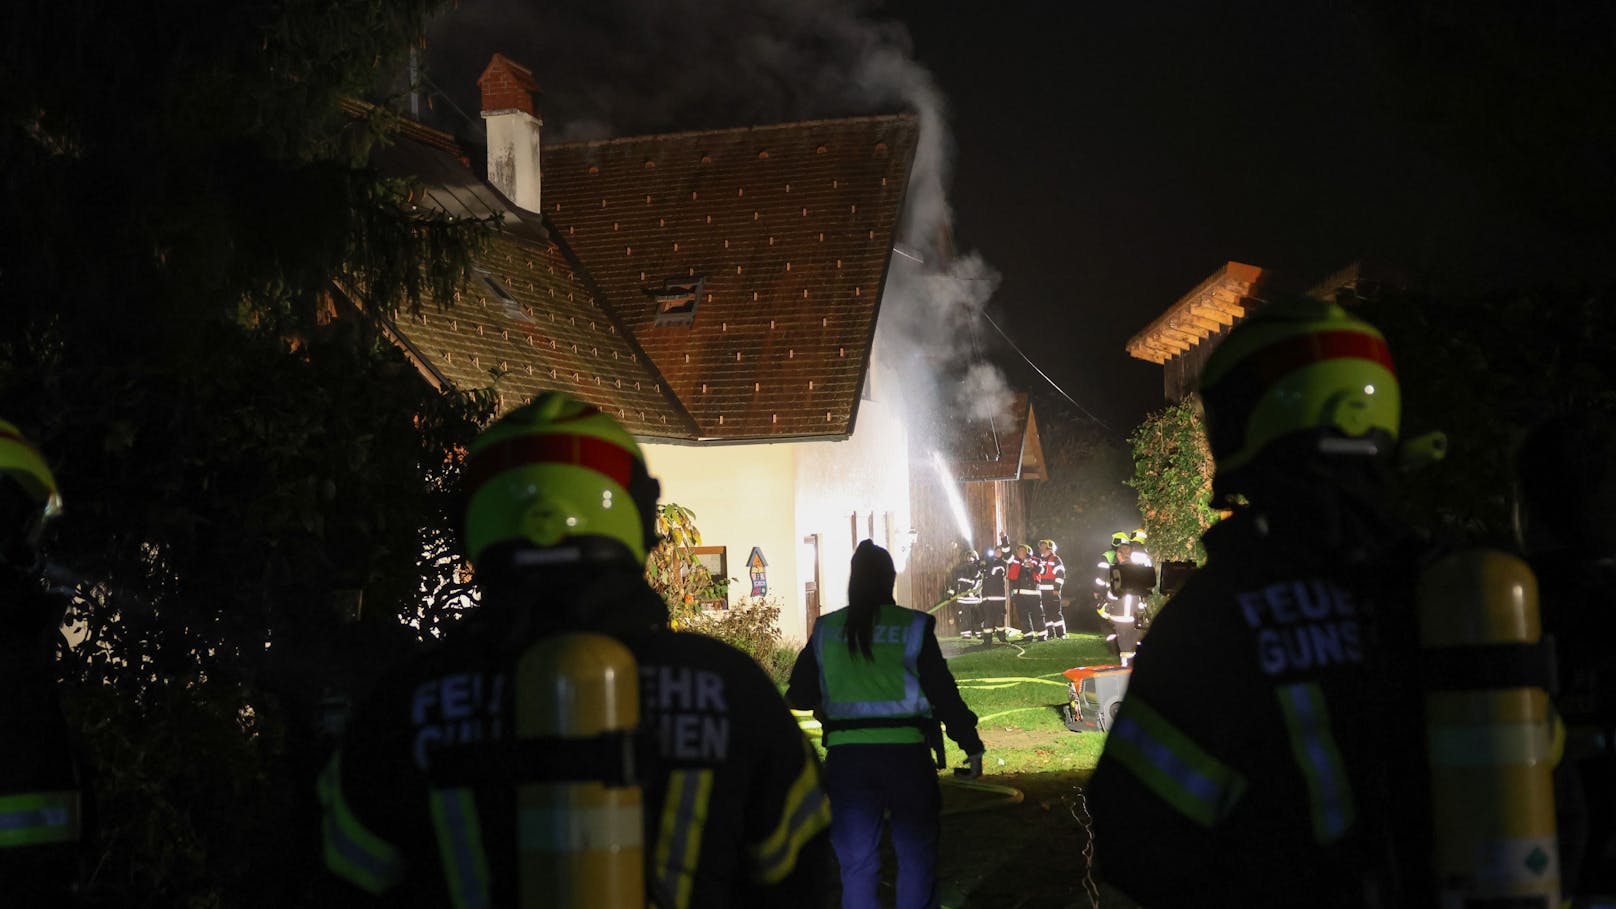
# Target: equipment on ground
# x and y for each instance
(1096, 696)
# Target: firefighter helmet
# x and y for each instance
(28, 497)
(1139, 535)
(1047, 544)
(1118, 538)
(558, 470)
(1299, 368)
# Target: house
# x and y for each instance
(718, 292)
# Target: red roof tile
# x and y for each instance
(789, 229)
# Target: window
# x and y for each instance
(715, 559)
(676, 301)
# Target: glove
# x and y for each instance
(972, 769)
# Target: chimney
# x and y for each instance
(513, 130)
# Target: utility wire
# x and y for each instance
(1045, 375)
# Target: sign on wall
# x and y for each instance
(758, 567)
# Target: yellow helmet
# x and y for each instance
(1299, 369)
(28, 497)
(556, 471)
(1138, 536)
(1118, 538)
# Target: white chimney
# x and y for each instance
(513, 130)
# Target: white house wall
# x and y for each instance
(743, 497)
(772, 496)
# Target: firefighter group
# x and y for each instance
(1018, 592)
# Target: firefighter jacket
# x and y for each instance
(42, 796)
(1267, 752)
(993, 579)
(968, 582)
(420, 801)
(890, 699)
(1021, 575)
(1051, 575)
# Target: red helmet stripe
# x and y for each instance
(590, 452)
(1282, 358)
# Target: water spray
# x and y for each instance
(955, 503)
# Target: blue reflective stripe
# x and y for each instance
(352, 851)
(460, 847)
(39, 818)
(1313, 745)
(1173, 765)
(684, 819)
(1164, 759)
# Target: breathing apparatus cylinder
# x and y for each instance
(580, 833)
(1489, 733)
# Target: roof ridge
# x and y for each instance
(792, 124)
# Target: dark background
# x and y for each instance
(1107, 157)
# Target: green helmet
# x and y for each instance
(1299, 366)
(555, 471)
(1118, 538)
(28, 497)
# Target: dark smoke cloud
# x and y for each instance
(630, 67)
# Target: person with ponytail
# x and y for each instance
(876, 677)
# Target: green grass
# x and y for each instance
(1016, 692)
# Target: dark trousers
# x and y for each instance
(1030, 612)
(1052, 613)
(870, 787)
(993, 613)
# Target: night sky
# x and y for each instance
(1107, 157)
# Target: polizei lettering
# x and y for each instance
(1302, 625)
(688, 710)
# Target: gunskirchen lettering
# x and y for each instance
(1302, 625)
(456, 709)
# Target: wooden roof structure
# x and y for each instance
(1005, 447)
(1207, 311)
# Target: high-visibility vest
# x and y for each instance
(876, 701)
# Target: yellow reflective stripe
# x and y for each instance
(1171, 764)
(806, 811)
(352, 852)
(39, 818)
(1307, 717)
(460, 847)
(684, 816)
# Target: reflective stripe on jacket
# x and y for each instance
(885, 687)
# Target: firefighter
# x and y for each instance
(1122, 603)
(1274, 792)
(1565, 493)
(1021, 576)
(994, 569)
(1051, 584)
(42, 794)
(876, 675)
(443, 795)
(967, 595)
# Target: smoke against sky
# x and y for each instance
(631, 67)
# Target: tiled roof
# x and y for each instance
(786, 232)
(1006, 447)
(527, 322)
